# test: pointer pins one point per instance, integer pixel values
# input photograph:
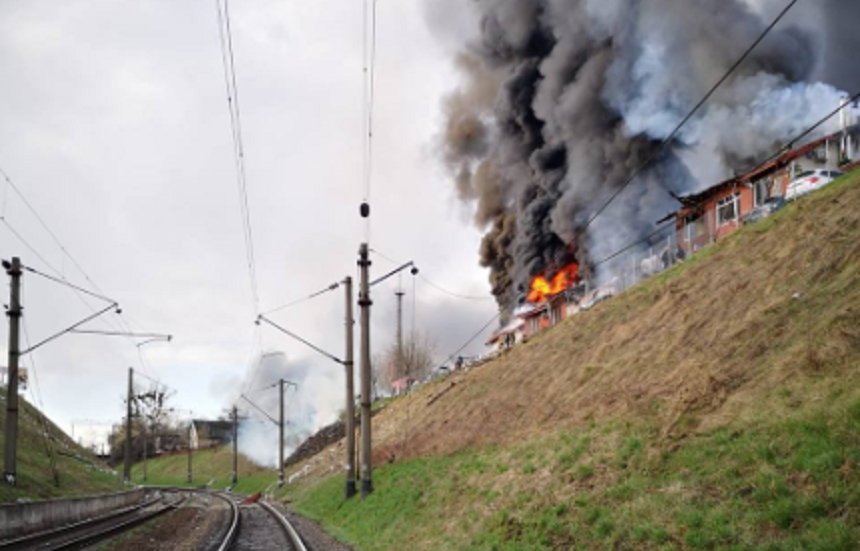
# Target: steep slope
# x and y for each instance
(713, 407)
(77, 470)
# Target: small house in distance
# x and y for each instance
(210, 434)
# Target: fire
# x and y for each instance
(543, 288)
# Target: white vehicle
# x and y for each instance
(809, 181)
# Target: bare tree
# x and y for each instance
(414, 361)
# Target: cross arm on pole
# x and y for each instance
(317, 349)
(261, 410)
(113, 306)
(150, 336)
(392, 273)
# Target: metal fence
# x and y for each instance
(664, 251)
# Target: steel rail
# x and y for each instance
(233, 530)
(73, 527)
(286, 525)
(43, 540)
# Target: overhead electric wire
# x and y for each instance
(36, 392)
(368, 103)
(665, 143)
(50, 232)
(433, 284)
(330, 288)
(258, 408)
(228, 60)
(372, 98)
(67, 284)
(780, 151)
(475, 336)
(63, 249)
(790, 144)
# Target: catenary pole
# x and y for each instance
(11, 457)
(126, 470)
(145, 433)
(235, 445)
(281, 440)
(350, 392)
(400, 361)
(364, 302)
(189, 474)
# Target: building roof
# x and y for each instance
(765, 169)
(512, 327)
(214, 429)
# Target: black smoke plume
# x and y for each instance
(562, 100)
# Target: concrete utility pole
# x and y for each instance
(281, 446)
(126, 470)
(365, 303)
(400, 359)
(10, 468)
(144, 432)
(235, 445)
(188, 468)
(350, 393)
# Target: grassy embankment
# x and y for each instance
(207, 466)
(76, 474)
(714, 407)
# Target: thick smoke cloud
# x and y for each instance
(561, 100)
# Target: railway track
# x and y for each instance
(83, 534)
(246, 527)
(262, 527)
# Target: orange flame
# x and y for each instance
(542, 289)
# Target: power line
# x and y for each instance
(67, 284)
(62, 248)
(330, 288)
(36, 392)
(475, 336)
(780, 151)
(433, 284)
(452, 293)
(78, 290)
(50, 232)
(229, 63)
(665, 143)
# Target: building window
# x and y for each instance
(760, 190)
(727, 208)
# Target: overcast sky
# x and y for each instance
(114, 124)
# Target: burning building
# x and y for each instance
(562, 100)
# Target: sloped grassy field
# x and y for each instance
(209, 467)
(714, 407)
(77, 474)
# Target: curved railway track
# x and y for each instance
(253, 526)
(262, 527)
(82, 534)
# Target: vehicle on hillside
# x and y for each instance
(809, 181)
(764, 210)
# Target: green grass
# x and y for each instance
(788, 485)
(35, 477)
(209, 468)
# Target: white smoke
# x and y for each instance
(317, 401)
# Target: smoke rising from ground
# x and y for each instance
(561, 100)
(316, 402)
